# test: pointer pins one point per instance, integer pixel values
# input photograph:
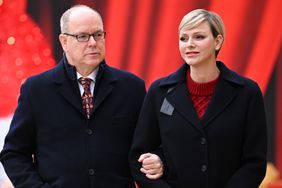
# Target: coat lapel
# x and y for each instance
(179, 98)
(104, 85)
(182, 102)
(225, 92)
(65, 78)
(223, 96)
(73, 97)
(67, 86)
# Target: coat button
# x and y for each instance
(91, 172)
(89, 131)
(203, 141)
(204, 168)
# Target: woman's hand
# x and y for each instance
(152, 165)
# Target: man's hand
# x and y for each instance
(152, 165)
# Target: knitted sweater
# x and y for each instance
(201, 93)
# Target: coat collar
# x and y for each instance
(178, 96)
(180, 75)
(64, 71)
(104, 84)
(64, 76)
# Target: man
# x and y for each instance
(74, 124)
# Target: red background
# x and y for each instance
(142, 38)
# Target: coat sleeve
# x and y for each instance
(19, 145)
(146, 139)
(253, 161)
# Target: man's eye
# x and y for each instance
(82, 36)
(99, 34)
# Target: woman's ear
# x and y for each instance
(219, 42)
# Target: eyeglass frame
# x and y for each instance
(94, 35)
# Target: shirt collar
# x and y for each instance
(92, 75)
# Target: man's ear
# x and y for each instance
(63, 41)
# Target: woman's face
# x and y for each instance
(197, 46)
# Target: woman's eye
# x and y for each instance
(199, 37)
(183, 39)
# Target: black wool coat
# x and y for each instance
(68, 150)
(226, 149)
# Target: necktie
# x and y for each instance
(87, 97)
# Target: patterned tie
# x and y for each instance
(87, 97)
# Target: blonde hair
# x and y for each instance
(196, 17)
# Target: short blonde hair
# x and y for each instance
(196, 17)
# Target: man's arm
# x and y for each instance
(19, 145)
(146, 139)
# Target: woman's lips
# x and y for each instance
(191, 54)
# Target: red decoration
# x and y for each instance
(23, 52)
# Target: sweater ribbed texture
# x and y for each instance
(201, 93)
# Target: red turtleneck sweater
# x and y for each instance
(200, 93)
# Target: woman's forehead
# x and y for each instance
(202, 27)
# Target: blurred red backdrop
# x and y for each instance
(142, 38)
(23, 52)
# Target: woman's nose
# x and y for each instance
(190, 43)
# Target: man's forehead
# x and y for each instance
(82, 11)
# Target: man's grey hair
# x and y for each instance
(64, 21)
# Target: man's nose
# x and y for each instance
(92, 40)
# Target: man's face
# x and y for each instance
(88, 54)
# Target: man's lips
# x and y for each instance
(93, 53)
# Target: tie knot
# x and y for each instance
(85, 82)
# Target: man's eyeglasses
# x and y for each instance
(83, 37)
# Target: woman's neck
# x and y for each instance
(203, 74)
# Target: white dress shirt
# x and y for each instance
(92, 76)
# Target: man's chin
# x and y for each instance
(93, 63)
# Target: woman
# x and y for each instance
(208, 120)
